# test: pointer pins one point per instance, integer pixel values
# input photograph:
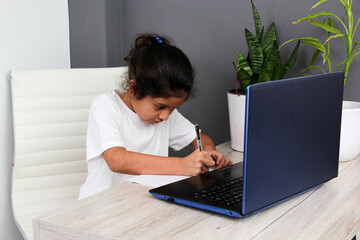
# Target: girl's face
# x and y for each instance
(152, 110)
(155, 110)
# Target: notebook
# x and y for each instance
(291, 145)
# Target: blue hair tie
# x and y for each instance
(159, 40)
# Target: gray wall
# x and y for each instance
(95, 33)
(34, 35)
(210, 32)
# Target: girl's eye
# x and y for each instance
(160, 107)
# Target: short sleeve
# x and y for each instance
(181, 131)
(104, 129)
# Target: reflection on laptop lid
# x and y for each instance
(292, 135)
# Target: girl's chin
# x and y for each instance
(151, 121)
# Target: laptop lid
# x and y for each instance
(292, 135)
(291, 145)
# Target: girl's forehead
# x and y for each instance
(170, 101)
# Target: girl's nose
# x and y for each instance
(164, 115)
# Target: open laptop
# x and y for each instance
(292, 136)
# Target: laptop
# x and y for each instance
(291, 145)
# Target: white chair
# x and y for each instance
(50, 112)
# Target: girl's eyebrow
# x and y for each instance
(166, 106)
(161, 104)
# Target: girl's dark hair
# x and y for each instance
(159, 68)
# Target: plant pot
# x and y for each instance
(350, 131)
(236, 104)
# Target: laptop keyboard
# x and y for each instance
(227, 194)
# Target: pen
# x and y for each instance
(198, 138)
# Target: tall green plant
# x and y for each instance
(347, 33)
(263, 62)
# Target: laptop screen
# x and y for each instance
(292, 135)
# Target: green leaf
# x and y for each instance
(257, 21)
(255, 51)
(356, 43)
(274, 63)
(243, 72)
(289, 41)
(325, 57)
(344, 3)
(268, 43)
(267, 51)
(320, 14)
(244, 79)
(243, 64)
(317, 4)
(308, 41)
(335, 36)
(312, 67)
(356, 53)
(315, 57)
(329, 21)
(270, 36)
(340, 64)
(264, 75)
(290, 63)
(357, 23)
(326, 27)
(314, 43)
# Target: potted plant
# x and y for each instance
(350, 128)
(263, 63)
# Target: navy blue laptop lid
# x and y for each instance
(292, 134)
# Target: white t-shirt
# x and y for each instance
(112, 124)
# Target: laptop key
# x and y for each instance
(228, 193)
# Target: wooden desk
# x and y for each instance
(128, 211)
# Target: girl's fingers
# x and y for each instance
(224, 163)
(204, 169)
(208, 160)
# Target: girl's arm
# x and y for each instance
(122, 161)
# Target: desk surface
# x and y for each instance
(128, 211)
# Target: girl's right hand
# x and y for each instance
(197, 162)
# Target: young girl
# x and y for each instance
(130, 132)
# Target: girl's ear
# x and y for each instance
(132, 83)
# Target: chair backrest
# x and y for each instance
(50, 112)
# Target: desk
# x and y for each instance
(128, 211)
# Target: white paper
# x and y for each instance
(155, 180)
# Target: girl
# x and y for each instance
(129, 132)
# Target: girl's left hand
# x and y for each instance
(219, 159)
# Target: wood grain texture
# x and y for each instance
(128, 211)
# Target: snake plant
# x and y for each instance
(263, 62)
(346, 32)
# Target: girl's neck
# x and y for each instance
(125, 97)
